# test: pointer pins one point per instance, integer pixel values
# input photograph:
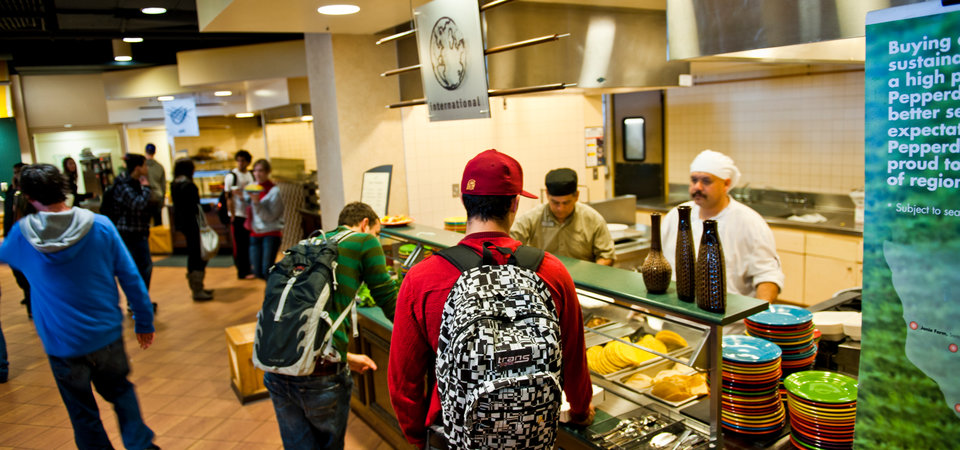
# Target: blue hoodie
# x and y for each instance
(73, 260)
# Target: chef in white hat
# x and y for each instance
(749, 251)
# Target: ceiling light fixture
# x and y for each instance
(338, 10)
(306, 118)
(243, 115)
(153, 10)
(223, 93)
(165, 98)
(121, 51)
(132, 40)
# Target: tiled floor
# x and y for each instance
(182, 381)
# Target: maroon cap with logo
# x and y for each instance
(493, 173)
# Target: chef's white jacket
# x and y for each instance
(749, 250)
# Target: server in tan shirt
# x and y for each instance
(564, 226)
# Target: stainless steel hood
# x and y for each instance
(294, 112)
(609, 49)
(821, 31)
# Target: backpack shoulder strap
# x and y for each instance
(528, 257)
(461, 256)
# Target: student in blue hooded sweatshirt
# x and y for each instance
(73, 259)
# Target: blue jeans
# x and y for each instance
(139, 248)
(4, 365)
(107, 369)
(263, 253)
(312, 411)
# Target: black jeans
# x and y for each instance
(25, 286)
(195, 261)
(241, 246)
(139, 249)
(107, 369)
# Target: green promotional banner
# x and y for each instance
(909, 394)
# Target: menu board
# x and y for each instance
(375, 190)
(909, 394)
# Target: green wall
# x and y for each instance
(9, 148)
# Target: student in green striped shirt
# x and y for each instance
(312, 411)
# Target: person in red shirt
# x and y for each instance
(490, 185)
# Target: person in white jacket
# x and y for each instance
(265, 220)
(749, 251)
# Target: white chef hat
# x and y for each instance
(718, 164)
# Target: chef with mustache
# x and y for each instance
(750, 255)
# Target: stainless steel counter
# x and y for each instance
(840, 220)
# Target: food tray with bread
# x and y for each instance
(614, 357)
(669, 382)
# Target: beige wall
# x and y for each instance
(802, 133)
(543, 132)
(226, 135)
(56, 100)
(293, 140)
(370, 134)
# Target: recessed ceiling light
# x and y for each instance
(68, 125)
(153, 10)
(122, 58)
(306, 118)
(223, 93)
(338, 10)
(243, 115)
(165, 98)
(132, 40)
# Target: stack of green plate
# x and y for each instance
(823, 409)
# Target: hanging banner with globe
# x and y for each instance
(180, 117)
(452, 64)
(909, 393)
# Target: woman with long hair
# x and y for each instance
(266, 220)
(186, 206)
(72, 174)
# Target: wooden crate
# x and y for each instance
(245, 379)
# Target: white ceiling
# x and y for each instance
(375, 15)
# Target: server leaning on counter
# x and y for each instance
(750, 256)
(564, 226)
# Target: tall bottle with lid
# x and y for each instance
(656, 269)
(711, 272)
(685, 258)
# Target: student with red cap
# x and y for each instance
(490, 185)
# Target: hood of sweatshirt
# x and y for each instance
(52, 232)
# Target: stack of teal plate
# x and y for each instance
(792, 329)
(750, 397)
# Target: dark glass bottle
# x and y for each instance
(685, 258)
(656, 269)
(711, 272)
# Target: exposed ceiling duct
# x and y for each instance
(811, 31)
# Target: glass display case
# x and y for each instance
(658, 359)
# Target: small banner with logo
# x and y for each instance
(180, 117)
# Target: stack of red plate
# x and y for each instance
(751, 377)
(823, 410)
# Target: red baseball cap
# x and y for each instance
(493, 173)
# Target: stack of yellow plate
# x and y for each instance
(458, 224)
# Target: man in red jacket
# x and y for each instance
(490, 185)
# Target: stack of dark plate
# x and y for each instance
(751, 377)
(823, 410)
(791, 328)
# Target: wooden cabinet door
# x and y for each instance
(826, 276)
(793, 271)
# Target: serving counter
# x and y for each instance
(621, 298)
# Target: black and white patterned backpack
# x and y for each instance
(499, 355)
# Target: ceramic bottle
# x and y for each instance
(685, 258)
(656, 269)
(711, 272)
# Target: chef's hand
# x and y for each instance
(145, 340)
(360, 363)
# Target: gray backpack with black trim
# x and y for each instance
(294, 327)
(499, 352)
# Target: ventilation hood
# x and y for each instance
(296, 112)
(809, 31)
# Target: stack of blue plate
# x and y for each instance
(791, 328)
(750, 397)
